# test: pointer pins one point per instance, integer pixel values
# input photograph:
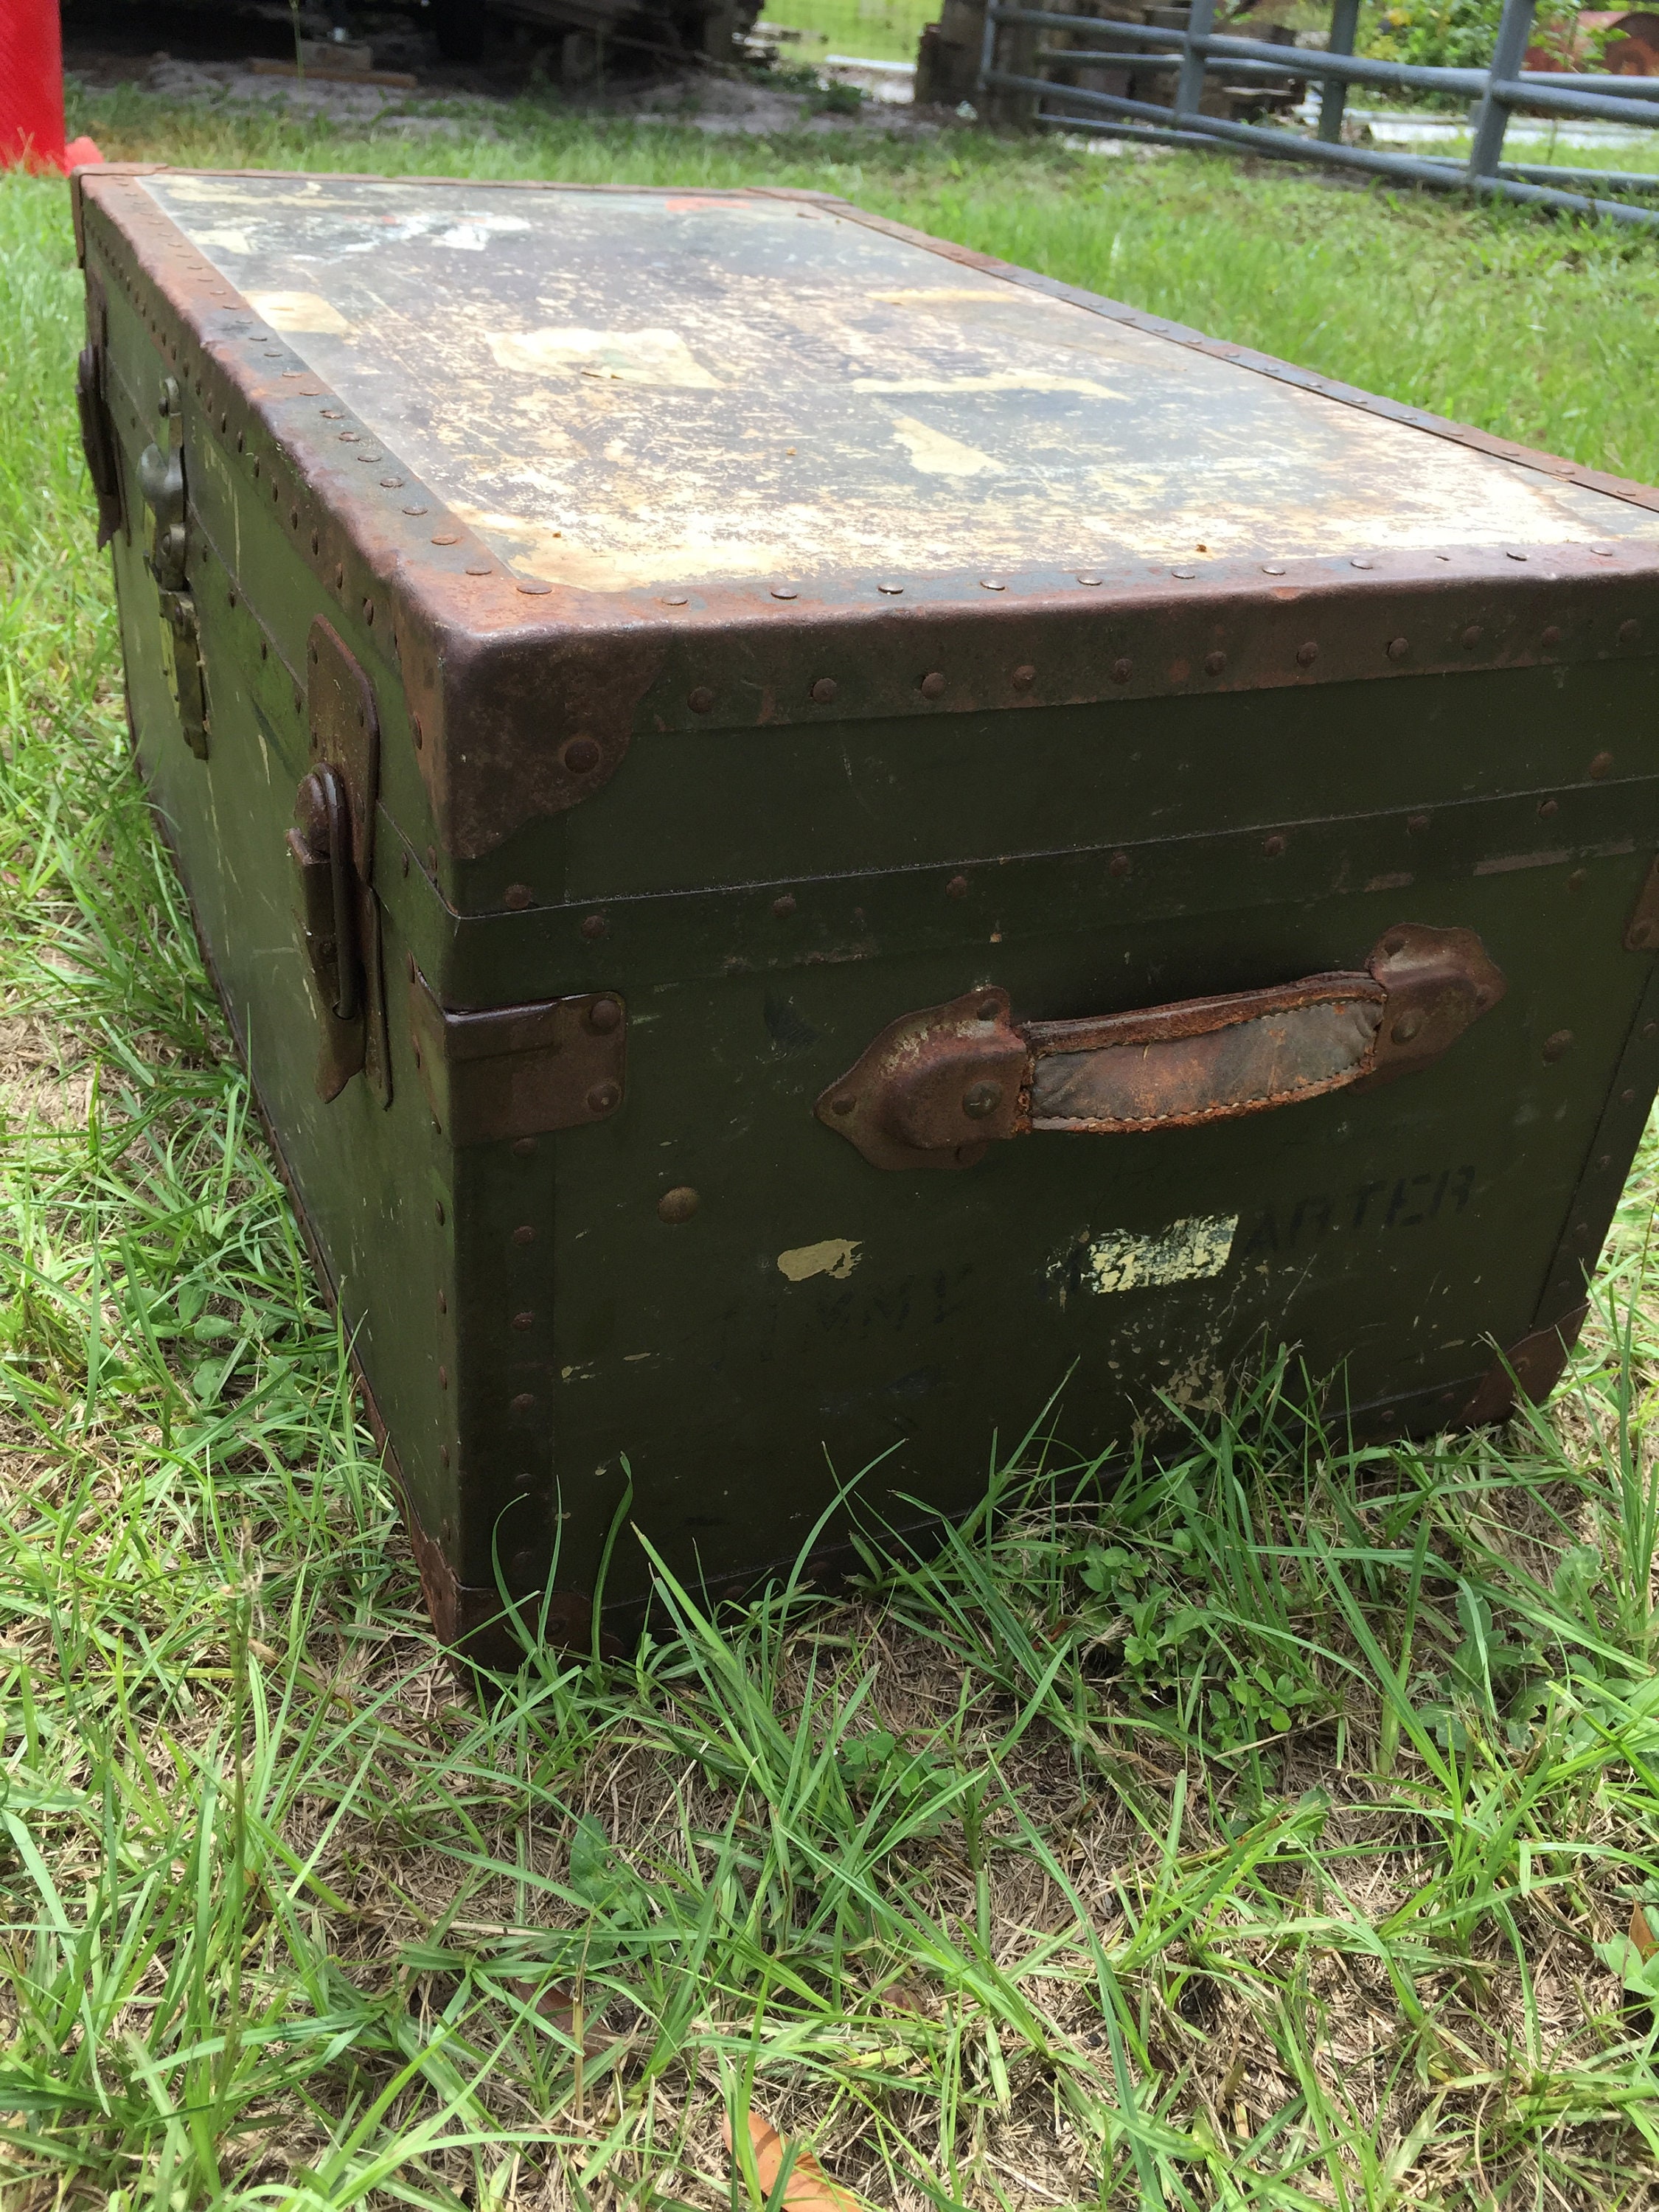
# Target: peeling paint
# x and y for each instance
(937, 455)
(836, 1256)
(1187, 1251)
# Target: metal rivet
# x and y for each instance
(1214, 663)
(1307, 654)
(983, 1099)
(348, 437)
(1122, 670)
(414, 510)
(524, 1146)
(1605, 1162)
(1513, 555)
(1407, 1027)
(1273, 846)
(956, 888)
(676, 600)
(932, 684)
(478, 569)
(1547, 807)
(581, 756)
(843, 1105)
(678, 1204)
(1629, 632)
(330, 415)
(784, 592)
(523, 1234)
(1273, 568)
(1362, 564)
(1578, 879)
(1627, 1098)
(524, 1403)
(702, 700)
(1119, 865)
(1472, 637)
(1090, 580)
(1550, 635)
(533, 588)
(1024, 679)
(785, 906)
(516, 896)
(443, 1303)
(992, 584)
(824, 690)
(443, 1378)
(524, 1321)
(604, 1098)
(1185, 574)
(1650, 1030)
(891, 590)
(447, 537)
(1602, 765)
(604, 1016)
(1399, 647)
(1560, 1041)
(593, 924)
(437, 1211)
(990, 1009)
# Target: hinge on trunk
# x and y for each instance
(519, 1071)
(97, 431)
(332, 845)
(162, 479)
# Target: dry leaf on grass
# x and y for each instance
(809, 2188)
(1641, 1933)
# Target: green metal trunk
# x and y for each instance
(812, 839)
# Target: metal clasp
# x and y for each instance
(161, 480)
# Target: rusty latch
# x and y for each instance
(97, 431)
(937, 1087)
(161, 480)
(519, 1071)
(332, 846)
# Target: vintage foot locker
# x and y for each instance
(810, 837)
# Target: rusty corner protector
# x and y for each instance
(1528, 1370)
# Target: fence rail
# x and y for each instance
(1198, 51)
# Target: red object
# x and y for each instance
(32, 90)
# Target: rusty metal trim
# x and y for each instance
(1528, 1370)
(519, 1071)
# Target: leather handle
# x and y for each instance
(936, 1087)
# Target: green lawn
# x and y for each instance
(1263, 1830)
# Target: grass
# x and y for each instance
(1259, 1831)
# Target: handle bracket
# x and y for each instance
(936, 1088)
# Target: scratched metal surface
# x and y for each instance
(619, 389)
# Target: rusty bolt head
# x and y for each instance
(517, 896)
(1547, 807)
(523, 1234)
(701, 701)
(784, 907)
(1273, 846)
(1557, 1044)
(1214, 663)
(581, 756)
(1119, 865)
(784, 592)
(524, 1146)
(1122, 670)
(1472, 637)
(604, 1098)
(604, 1015)
(1024, 679)
(1399, 647)
(981, 1099)
(1307, 654)
(824, 691)
(992, 584)
(1407, 1027)
(956, 888)
(524, 1403)
(1629, 632)
(1550, 635)
(524, 1321)
(891, 591)
(678, 1204)
(1602, 765)
(843, 1105)
(932, 684)
(593, 924)
(1091, 580)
